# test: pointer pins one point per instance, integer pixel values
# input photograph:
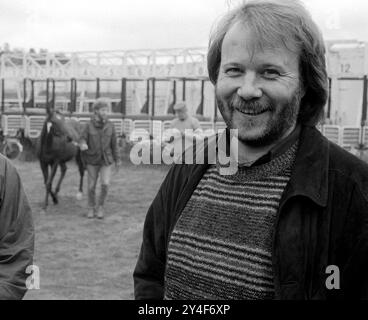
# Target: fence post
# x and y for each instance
(32, 94)
(123, 95)
(153, 96)
(2, 95)
(97, 88)
(329, 98)
(47, 95)
(364, 111)
(184, 88)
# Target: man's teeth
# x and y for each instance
(249, 112)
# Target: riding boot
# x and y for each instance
(101, 200)
(91, 203)
(91, 213)
(100, 213)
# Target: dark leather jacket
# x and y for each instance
(16, 234)
(322, 220)
(102, 143)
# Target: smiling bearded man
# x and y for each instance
(258, 88)
(297, 205)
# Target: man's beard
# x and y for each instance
(283, 117)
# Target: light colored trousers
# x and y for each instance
(105, 176)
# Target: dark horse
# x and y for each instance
(56, 146)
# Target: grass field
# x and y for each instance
(89, 259)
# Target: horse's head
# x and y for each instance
(55, 125)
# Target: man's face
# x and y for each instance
(181, 114)
(102, 113)
(258, 90)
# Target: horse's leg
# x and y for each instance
(81, 169)
(50, 180)
(63, 169)
(45, 172)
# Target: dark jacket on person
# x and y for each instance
(16, 234)
(322, 221)
(102, 143)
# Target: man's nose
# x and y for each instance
(249, 88)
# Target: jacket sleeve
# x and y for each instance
(150, 268)
(16, 234)
(114, 145)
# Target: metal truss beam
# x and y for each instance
(187, 62)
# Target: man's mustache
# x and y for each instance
(237, 102)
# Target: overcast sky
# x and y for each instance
(80, 25)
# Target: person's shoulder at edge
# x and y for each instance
(6, 167)
(9, 178)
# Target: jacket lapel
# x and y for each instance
(310, 174)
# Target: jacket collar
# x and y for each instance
(310, 174)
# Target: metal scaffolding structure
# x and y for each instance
(187, 62)
(150, 81)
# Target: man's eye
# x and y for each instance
(233, 71)
(271, 73)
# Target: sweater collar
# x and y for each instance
(310, 172)
(277, 150)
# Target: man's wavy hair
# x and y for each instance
(273, 23)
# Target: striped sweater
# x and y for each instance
(221, 246)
